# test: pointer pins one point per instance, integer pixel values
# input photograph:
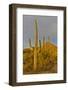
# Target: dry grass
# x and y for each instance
(46, 60)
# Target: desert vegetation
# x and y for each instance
(46, 59)
(42, 58)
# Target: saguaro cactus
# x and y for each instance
(40, 44)
(30, 43)
(43, 41)
(36, 44)
(49, 38)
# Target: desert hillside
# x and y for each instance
(46, 60)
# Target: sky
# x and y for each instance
(47, 26)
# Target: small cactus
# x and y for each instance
(43, 41)
(40, 44)
(30, 43)
(49, 39)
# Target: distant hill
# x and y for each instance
(46, 61)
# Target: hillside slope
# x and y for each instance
(46, 60)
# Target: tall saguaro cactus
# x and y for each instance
(36, 44)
